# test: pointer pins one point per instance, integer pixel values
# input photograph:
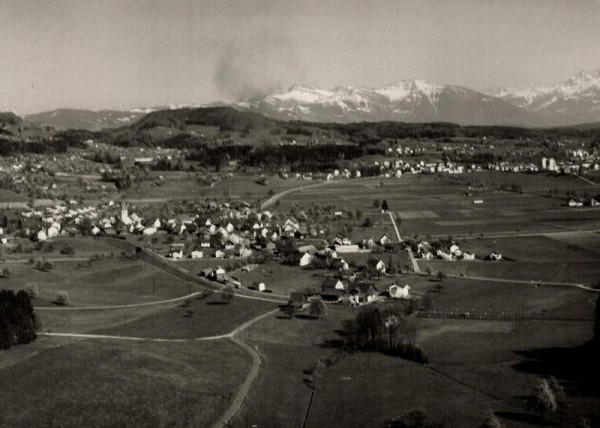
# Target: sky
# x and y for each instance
(121, 54)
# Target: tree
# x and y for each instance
(228, 294)
(67, 250)
(368, 222)
(376, 203)
(62, 299)
(441, 275)
(542, 399)
(384, 205)
(317, 308)
(289, 310)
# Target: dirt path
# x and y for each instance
(256, 362)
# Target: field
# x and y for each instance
(476, 366)
(208, 317)
(428, 205)
(100, 383)
(282, 279)
(106, 282)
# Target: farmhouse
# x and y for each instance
(363, 293)
(397, 292)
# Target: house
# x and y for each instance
(306, 259)
(262, 286)
(594, 203)
(363, 293)
(397, 292)
(196, 254)
(385, 239)
(175, 254)
(219, 254)
(217, 274)
(334, 283)
(468, 256)
(380, 266)
(330, 294)
(574, 202)
(41, 236)
(245, 252)
(494, 256)
(149, 231)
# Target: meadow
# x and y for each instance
(99, 383)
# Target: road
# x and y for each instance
(411, 256)
(275, 197)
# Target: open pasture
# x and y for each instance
(106, 282)
(282, 279)
(428, 205)
(197, 317)
(504, 300)
(98, 383)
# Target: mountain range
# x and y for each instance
(574, 101)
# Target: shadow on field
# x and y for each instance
(522, 417)
(217, 303)
(576, 367)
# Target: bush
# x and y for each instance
(67, 250)
(62, 299)
(32, 290)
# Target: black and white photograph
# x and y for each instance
(300, 214)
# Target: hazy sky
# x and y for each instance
(128, 53)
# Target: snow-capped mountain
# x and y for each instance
(576, 100)
(95, 120)
(409, 101)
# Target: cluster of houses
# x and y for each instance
(358, 293)
(427, 251)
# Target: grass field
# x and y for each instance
(282, 279)
(100, 383)
(107, 282)
(288, 348)
(210, 316)
(428, 205)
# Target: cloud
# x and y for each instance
(257, 65)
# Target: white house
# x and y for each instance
(262, 286)
(397, 292)
(149, 231)
(380, 266)
(176, 255)
(385, 239)
(306, 259)
(219, 254)
(42, 236)
(196, 254)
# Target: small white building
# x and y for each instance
(196, 254)
(397, 292)
(306, 259)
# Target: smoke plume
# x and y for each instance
(256, 66)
